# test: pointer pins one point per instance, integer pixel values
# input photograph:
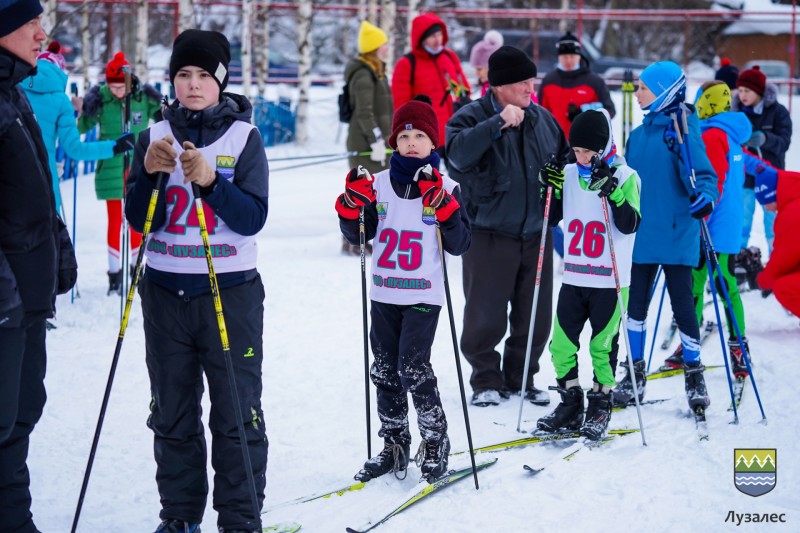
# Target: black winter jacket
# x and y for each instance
(499, 169)
(28, 224)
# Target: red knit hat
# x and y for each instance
(114, 69)
(417, 114)
(753, 79)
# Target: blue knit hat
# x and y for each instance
(667, 81)
(15, 13)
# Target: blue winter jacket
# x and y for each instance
(668, 235)
(725, 222)
(46, 91)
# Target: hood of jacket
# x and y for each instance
(421, 24)
(48, 79)
(206, 126)
(734, 123)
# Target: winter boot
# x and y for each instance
(537, 396)
(568, 414)
(393, 458)
(696, 391)
(622, 394)
(598, 414)
(432, 458)
(171, 525)
(675, 360)
(114, 283)
(738, 366)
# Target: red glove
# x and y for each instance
(431, 186)
(358, 193)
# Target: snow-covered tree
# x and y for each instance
(305, 13)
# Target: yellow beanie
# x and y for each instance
(713, 100)
(370, 38)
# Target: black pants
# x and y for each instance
(499, 271)
(23, 362)
(182, 341)
(401, 338)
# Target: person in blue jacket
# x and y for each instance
(671, 207)
(46, 91)
(724, 133)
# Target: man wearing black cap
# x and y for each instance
(572, 87)
(496, 146)
(30, 239)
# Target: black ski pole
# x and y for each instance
(362, 241)
(455, 350)
(151, 209)
(226, 352)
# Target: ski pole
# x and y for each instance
(362, 241)
(226, 352)
(455, 350)
(75, 292)
(623, 316)
(658, 315)
(317, 156)
(126, 168)
(708, 246)
(535, 303)
(123, 326)
(301, 165)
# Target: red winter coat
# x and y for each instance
(782, 273)
(432, 74)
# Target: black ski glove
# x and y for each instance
(603, 180)
(124, 143)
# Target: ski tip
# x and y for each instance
(351, 530)
(282, 527)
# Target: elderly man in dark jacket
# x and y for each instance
(496, 147)
(29, 259)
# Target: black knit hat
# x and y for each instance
(589, 130)
(727, 72)
(15, 13)
(568, 44)
(208, 50)
(510, 65)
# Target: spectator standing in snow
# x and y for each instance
(497, 145)
(572, 87)
(668, 234)
(208, 147)
(431, 69)
(728, 73)
(772, 134)
(46, 91)
(36, 260)
(371, 100)
(104, 106)
(407, 200)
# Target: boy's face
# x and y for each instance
(584, 155)
(414, 143)
(748, 96)
(195, 88)
(117, 89)
(644, 95)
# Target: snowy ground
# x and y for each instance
(314, 401)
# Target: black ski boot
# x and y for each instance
(598, 415)
(177, 526)
(567, 415)
(674, 361)
(114, 283)
(432, 458)
(393, 458)
(738, 366)
(622, 394)
(696, 391)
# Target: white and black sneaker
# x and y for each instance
(486, 397)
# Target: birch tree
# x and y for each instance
(261, 37)
(85, 45)
(185, 14)
(372, 9)
(388, 14)
(140, 68)
(49, 16)
(413, 11)
(304, 14)
(247, 46)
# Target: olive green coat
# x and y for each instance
(103, 108)
(371, 99)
